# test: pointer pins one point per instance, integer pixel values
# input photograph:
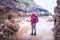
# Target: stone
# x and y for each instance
(57, 20)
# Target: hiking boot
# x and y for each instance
(34, 33)
(31, 33)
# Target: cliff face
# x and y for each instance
(57, 20)
(57, 13)
(10, 4)
(7, 5)
(18, 5)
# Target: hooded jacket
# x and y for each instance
(32, 18)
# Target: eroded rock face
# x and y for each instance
(57, 20)
(8, 27)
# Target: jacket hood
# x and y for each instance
(33, 14)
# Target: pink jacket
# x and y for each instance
(32, 18)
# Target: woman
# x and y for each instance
(33, 24)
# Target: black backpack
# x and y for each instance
(36, 19)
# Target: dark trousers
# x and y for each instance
(34, 28)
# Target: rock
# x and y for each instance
(57, 21)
